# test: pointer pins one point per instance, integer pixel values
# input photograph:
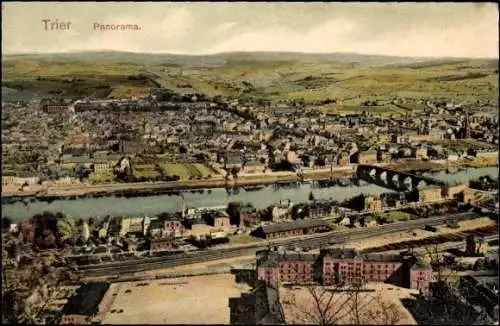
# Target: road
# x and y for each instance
(442, 247)
(135, 187)
(313, 241)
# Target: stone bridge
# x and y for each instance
(393, 179)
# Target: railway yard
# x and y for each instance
(191, 283)
(135, 265)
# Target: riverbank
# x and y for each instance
(53, 192)
(149, 188)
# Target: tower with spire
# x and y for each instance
(183, 212)
(467, 126)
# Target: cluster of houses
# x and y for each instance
(281, 220)
(425, 194)
(244, 137)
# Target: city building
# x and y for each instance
(420, 276)
(131, 244)
(261, 306)
(430, 193)
(283, 210)
(421, 152)
(131, 225)
(161, 244)
(218, 219)
(102, 166)
(54, 106)
(254, 167)
(247, 217)
(372, 204)
(199, 227)
(342, 266)
(85, 304)
(294, 228)
(367, 157)
(476, 245)
(156, 227)
(173, 227)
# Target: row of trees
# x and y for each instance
(49, 230)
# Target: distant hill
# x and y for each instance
(252, 75)
(222, 58)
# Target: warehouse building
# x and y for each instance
(295, 228)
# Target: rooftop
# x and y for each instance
(273, 258)
(279, 227)
(348, 253)
(381, 257)
(419, 263)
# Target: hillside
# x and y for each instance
(273, 76)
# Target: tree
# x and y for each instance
(66, 228)
(233, 209)
(6, 222)
(438, 263)
(334, 305)
(326, 307)
(234, 172)
(344, 302)
(385, 313)
(445, 306)
(371, 309)
(31, 288)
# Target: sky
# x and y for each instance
(398, 29)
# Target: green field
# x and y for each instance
(101, 177)
(145, 171)
(396, 216)
(188, 171)
(350, 78)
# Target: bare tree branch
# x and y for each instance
(332, 304)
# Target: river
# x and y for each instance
(260, 198)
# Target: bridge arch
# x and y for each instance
(383, 177)
(395, 178)
(408, 182)
(421, 183)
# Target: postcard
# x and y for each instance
(250, 163)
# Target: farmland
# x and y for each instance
(350, 79)
(101, 177)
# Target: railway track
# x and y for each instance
(314, 241)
